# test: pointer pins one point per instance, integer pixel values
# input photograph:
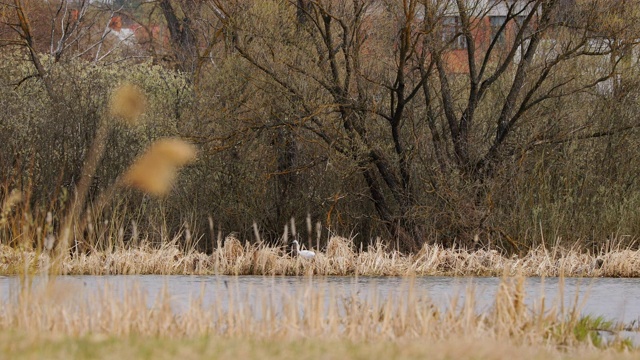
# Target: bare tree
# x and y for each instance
(374, 80)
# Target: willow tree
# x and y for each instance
(493, 70)
(526, 48)
(59, 61)
(423, 97)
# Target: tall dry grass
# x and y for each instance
(234, 257)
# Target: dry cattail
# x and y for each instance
(175, 151)
(128, 102)
(155, 171)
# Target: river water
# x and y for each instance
(615, 299)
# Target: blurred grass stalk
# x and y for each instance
(153, 172)
(127, 104)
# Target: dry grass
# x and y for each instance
(341, 327)
(234, 258)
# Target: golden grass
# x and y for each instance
(309, 321)
(235, 258)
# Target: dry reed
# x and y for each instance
(234, 258)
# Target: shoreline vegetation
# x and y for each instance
(339, 258)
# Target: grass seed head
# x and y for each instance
(128, 102)
(155, 171)
(13, 198)
(175, 151)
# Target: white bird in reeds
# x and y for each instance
(305, 254)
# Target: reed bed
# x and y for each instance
(60, 310)
(338, 258)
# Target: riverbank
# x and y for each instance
(339, 259)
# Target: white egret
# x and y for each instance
(305, 254)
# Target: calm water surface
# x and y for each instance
(613, 298)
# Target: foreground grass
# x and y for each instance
(58, 320)
(338, 258)
(21, 346)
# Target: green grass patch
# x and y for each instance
(16, 345)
